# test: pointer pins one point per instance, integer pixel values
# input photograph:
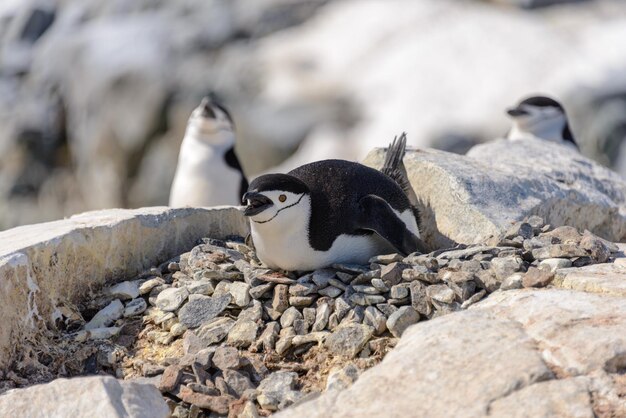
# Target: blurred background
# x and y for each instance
(95, 95)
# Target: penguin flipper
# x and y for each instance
(376, 215)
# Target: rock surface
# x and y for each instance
(468, 199)
(101, 396)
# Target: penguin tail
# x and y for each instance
(393, 163)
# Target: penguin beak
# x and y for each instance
(516, 111)
(207, 109)
(257, 203)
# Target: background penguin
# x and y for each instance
(208, 171)
(540, 117)
(332, 211)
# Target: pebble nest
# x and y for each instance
(220, 335)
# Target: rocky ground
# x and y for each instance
(218, 334)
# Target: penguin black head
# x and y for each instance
(211, 121)
(541, 117)
(279, 198)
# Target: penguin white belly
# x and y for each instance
(204, 179)
(291, 250)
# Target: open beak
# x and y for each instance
(257, 203)
(516, 111)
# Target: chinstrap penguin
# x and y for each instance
(208, 171)
(332, 211)
(540, 117)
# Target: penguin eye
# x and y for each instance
(282, 198)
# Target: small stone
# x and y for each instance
(348, 340)
(124, 290)
(321, 277)
(301, 301)
(290, 315)
(106, 316)
(226, 358)
(420, 273)
(514, 281)
(487, 280)
(169, 379)
(258, 291)
(399, 291)
(300, 327)
(553, 264)
(171, 298)
(350, 268)
(441, 293)
(333, 321)
(400, 320)
(472, 300)
(344, 277)
(330, 291)
(217, 404)
(536, 221)
(201, 309)
(177, 330)
(275, 277)
(365, 299)
(191, 343)
(313, 337)
(522, 229)
(375, 319)
(386, 258)
(150, 369)
(135, 307)
(280, 302)
(387, 309)
(391, 274)
(342, 378)
(565, 235)
(243, 334)
(370, 290)
(279, 384)
(341, 308)
(337, 283)
(201, 287)
(249, 411)
(150, 284)
(462, 290)
(103, 333)
(237, 382)
(535, 277)
(204, 389)
(379, 285)
(558, 251)
(284, 343)
(173, 267)
(215, 331)
(302, 289)
(239, 292)
(269, 336)
(308, 315)
(596, 247)
(321, 317)
(253, 313)
(505, 266)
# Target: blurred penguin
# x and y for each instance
(540, 117)
(208, 171)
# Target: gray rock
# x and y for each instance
(201, 287)
(399, 291)
(135, 307)
(289, 316)
(106, 316)
(386, 258)
(472, 300)
(514, 281)
(523, 177)
(337, 283)
(103, 333)
(313, 337)
(258, 291)
(243, 334)
(364, 299)
(535, 277)
(322, 277)
(379, 285)
(201, 309)
(348, 340)
(506, 266)
(150, 284)
(269, 336)
(387, 309)
(558, 251)
(596, 247)
(124, 290)
(253, 313)
(391, 274)
(102, 396)
(330, 291)
(341, 307)
(302, 289)
(370, 290)
(420, 273)
(400, 320)
(226, 358)
(440, 293)
(321, 317)
(239, 292)
(237, 382)
(553, 264)
(375, 319)
(301, 301)
(280, 302)
(342, 378)
(215, 331)
(170, 299)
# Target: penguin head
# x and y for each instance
(211, 122)
(541, 117)
(277, 200)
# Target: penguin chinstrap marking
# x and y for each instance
(330, 211)
(208, 171)
(540, 117)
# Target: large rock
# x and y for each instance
(466, 199)
(101, 396)
(44, 265)
(544, 352)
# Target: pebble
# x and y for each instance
(301, 301)
(553, 264)
(321, 317)
(322, 277)
(386, 258)
(375, 319)
(243, 334)
(514, 281)
(103, 333)
(535, 277)
(302, 289)
(135, 307)
(280, 302)
(364, 299)
(391, 274)
(106, 316)
(215, 331)
(400, 320)
(440, 293)
(171, 298)
(124, 290)
(201, 287)
(289, 316)
(472, 300)
(558, 251)
(240, 293)
(237, 382)
(202, 308)
(170, 378)
(147, 286)
(269, 336)
(340, 379)
(257, 292)
(420, 273)
(399, 291)
(330, 291)
(348, 340)
(226, 358)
